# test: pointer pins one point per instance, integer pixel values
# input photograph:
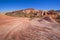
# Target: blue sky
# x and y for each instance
(12, 5)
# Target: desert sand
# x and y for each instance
(13, 28)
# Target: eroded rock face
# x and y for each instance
(26, 29)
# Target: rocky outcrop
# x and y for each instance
(32, 13)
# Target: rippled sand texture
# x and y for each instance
(25, 29)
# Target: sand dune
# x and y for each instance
(13, 28)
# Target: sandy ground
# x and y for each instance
(13, 28)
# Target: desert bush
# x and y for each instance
(58, 17)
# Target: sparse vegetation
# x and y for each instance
(58, 17)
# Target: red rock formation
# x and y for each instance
(24, 29)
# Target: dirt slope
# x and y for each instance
(12, 28)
